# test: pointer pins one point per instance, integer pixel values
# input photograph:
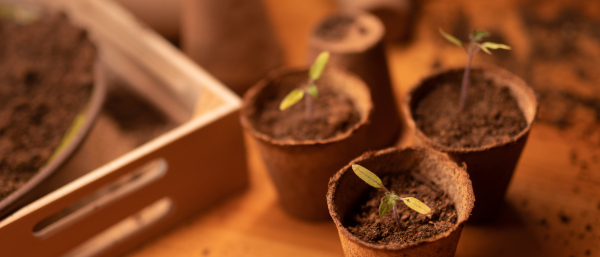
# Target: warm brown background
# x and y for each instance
(553, 203)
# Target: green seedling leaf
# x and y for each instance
(291, 99)
(417, 205)
(492, 45)
(368, 176)
(479, 34)
(489, 45)
(312, 90)
(451, 38)
(386, 205)
(487, 51)
(395, 197)
(318, 66)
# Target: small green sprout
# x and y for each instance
(473, 47)
(388, 202)
(311, 88)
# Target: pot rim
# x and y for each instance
(91, 111)
(344, 46)
(334, 182)
(252, 93)
(496, 72)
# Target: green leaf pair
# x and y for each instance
(389, 200)
(314, 73)
(475, 38)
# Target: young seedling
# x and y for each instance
(310, 87)
(389, 200)
(471, 49)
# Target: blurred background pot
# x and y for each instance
(354, 40)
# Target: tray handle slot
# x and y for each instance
(124, 229)
(121, 187)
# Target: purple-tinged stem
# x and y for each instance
(465, 81)
(395, 210)
(308, 109)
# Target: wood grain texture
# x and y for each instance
(553, 202)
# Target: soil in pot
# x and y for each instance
(46, 78)
(368, 225)
(491, 115)
(331, 113)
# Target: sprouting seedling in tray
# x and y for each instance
(388, 202)
(310, 87)
(471, 49)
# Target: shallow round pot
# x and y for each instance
(232, 39)
(300, 169)
(359, 48)
(27, 193)
(346, 189)
(490, 167)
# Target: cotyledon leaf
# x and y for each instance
(318, 66)
(292, 98)
(366, 175)
(417, 205)
(492, 45)
(451, 38)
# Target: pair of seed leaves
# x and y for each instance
(389, 200)
(475, 37)
(314, 73)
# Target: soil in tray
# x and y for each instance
(491, 114)
(332, 114)
(45, 81)
(368, 225)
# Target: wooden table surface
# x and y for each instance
(553, 202)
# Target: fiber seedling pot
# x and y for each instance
(300, 169)
(232, 39)
(346, 189)
(354, 40)
(43, 73)
(490, 166)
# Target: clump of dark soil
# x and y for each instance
(491, 115)
(332, 113)
(45, 81)
(368, 225)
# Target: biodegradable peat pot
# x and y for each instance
(354, 40)
(51, 95)
(398, 16)
(301, 168)
(231, 39)
(490, 165)
(346, 190)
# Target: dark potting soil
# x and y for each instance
(337, 27)
(45, 81)
(491, 114)
(332, 114)
(368, 225)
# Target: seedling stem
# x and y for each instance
(473, 47)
